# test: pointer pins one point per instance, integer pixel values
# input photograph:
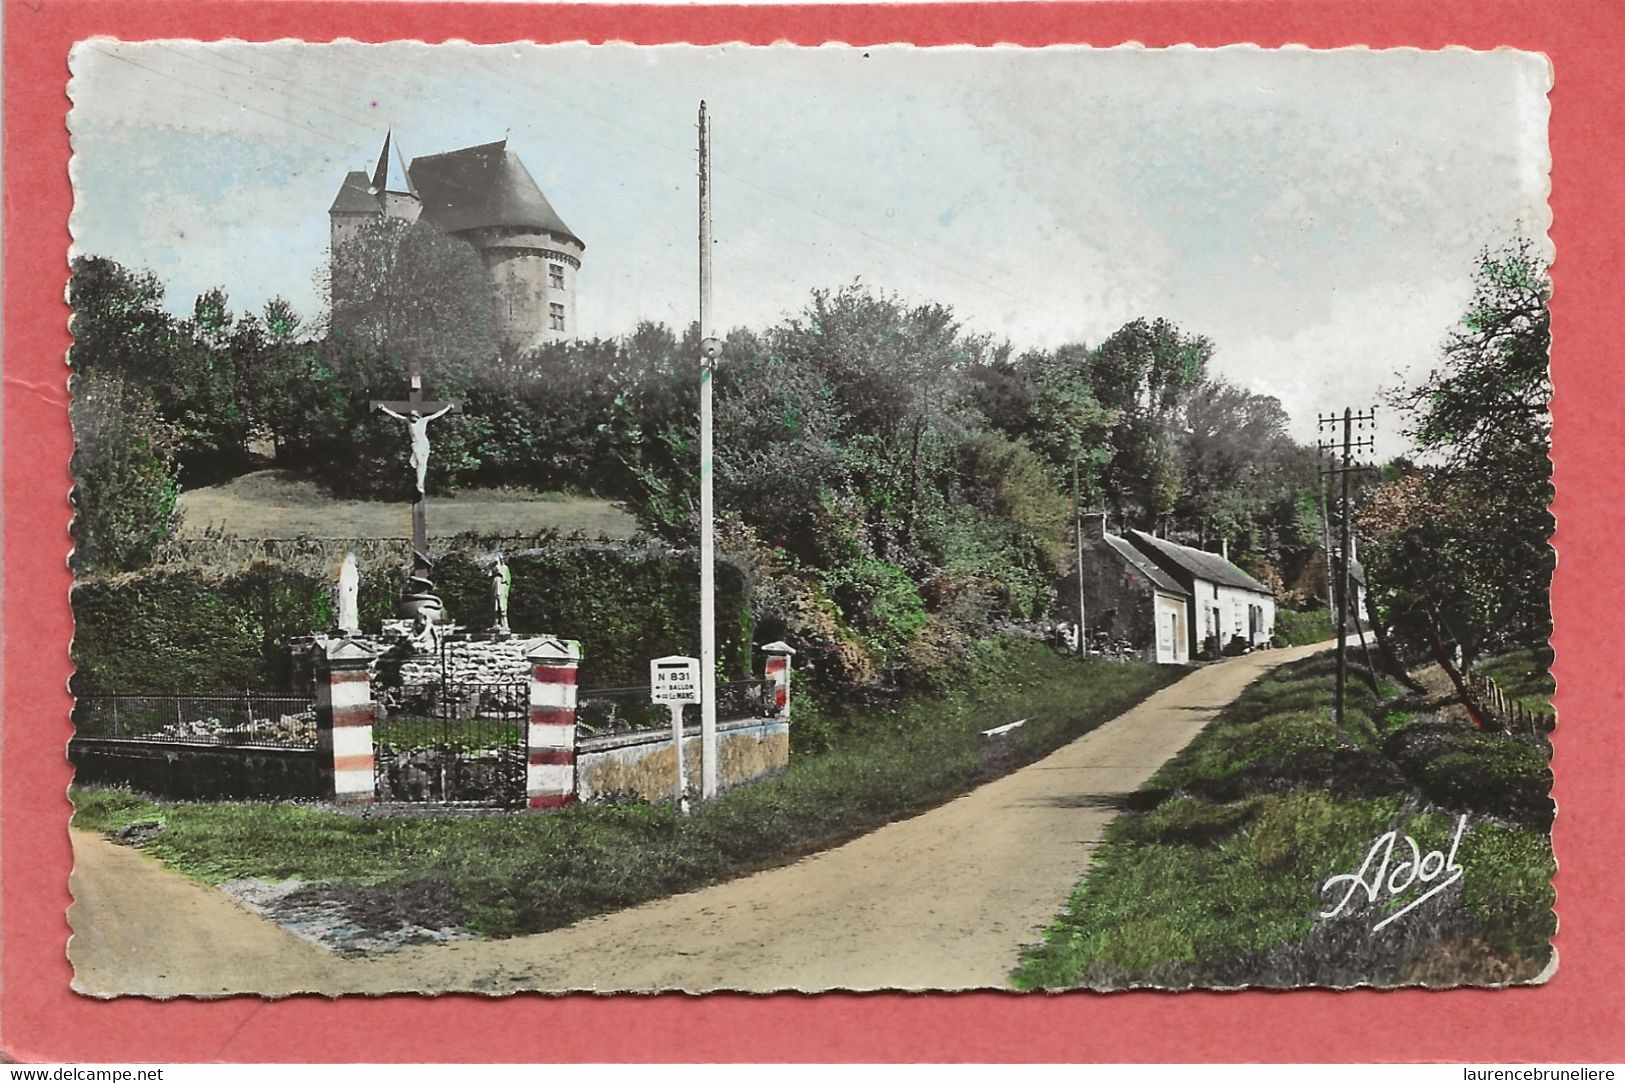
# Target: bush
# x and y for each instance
(881, 602)
(1294, 627)
(185, 628)
(126, 482)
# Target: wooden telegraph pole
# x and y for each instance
(1342, 454)
(1077, 532)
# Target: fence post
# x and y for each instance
(344, 719)
(776, 668)
(550, 775)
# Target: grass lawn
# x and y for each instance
(281, 504)
(511, 874)
(1216, 877)
(1522, 678)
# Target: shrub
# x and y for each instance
(880, 601)
(185, 628)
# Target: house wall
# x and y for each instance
(1117, 597)
(1231, 603)
(1173, 628)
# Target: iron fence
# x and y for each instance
(602, 712)
(247, 719)
(454, 743)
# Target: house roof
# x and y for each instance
(355, 196)
(483, 186)
(1159, 578)
(1199, 564)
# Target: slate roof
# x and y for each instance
(483, 186)
(1161, 579)
(1201, 565)
(355, 196)
(390, 174)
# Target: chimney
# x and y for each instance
(1224, 548)
(1094, 525)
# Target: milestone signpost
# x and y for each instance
(675, 681)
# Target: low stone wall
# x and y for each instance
(470, 658)
(643, 766)
(200, 771)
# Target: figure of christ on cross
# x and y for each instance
(417, 414)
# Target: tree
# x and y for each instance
(414, 296)
(125, 483)
(1145, 372)
(187, 367)
(1462, 551)
(118, 323)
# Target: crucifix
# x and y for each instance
(417, 413)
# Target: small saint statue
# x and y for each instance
(501, 584)
(417, 425)
(425, 634)
(349, 620)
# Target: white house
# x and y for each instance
(1225, 604)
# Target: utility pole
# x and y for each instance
(709, 349)
(1077, 530)
(1347, 446)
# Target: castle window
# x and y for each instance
(555, 275)
(556, 316)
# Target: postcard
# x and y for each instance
(753, 518)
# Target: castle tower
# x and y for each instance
(392, 183)
(362, 198)
(485, 196)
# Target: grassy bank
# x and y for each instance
(1215, 876)
(505, 875)
(1523, 677)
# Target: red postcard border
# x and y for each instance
(1575, 1017)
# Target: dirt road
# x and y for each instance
(945, 900)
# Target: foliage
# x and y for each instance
(410, 293)
(512, 875)
(1294, 628)
(1462, 553)
(228, 629)
(880, 601)
(125, 484)
(863, 433)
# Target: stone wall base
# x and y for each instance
(643, 766)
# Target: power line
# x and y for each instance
(217, 94)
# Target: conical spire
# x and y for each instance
(390, 175)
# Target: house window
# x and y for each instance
(556, 316)
(555, 275)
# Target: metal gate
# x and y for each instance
(454, 744)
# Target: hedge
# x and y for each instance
(197, 630)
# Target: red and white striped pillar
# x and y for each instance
(776, 668)
(550, 776)
(344, 719)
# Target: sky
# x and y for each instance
(1315, 213)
